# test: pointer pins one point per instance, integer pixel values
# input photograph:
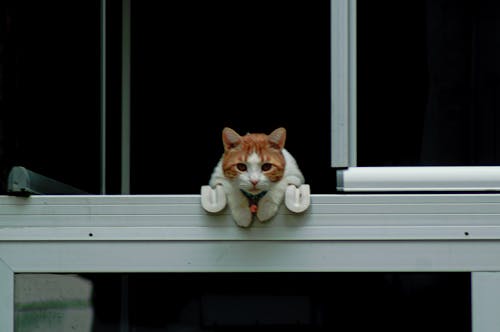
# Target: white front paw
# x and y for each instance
(267, 209)
(298, 199)
(242, 217)
(213, 200)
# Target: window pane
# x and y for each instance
(49, 91)
(50, 302)
(199, 66)
(428, 83)
(243, 301)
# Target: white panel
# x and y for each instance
(359, 233)
(459, 232)
(353, 87)
(6, 297)
(486, 302)
(343, 82)
(384, 179)
(251, 256)
(172, 218)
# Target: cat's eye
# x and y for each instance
(266, 167)
(241, 167)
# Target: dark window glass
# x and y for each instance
(245, 302)
(428, 88)
(199, 66)
(49, 91)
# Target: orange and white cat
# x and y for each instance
(255, 171)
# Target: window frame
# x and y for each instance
(353, 178)
(343, 83)
(339, 233)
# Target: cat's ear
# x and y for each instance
(277, 138)
(230, 138)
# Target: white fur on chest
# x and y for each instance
(269, 204)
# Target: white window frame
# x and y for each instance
(339, 233)
(343, 82)
(351, 177)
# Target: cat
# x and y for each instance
(255, 171)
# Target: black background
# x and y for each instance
(201, 66)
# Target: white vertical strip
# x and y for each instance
(352, 84)
(103, 98)
(125, 114)
(6, 298)
(339, 79)
(486, 301)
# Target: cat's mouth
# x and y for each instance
(253, 190)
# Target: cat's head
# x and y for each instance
(254, 161)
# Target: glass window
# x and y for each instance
(428, 83)
(50, 90)
(242, 301)
(199, 66)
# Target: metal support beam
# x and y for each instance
(485, 301)
(343, 82)
(6, 297)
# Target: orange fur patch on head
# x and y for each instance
(267, 147)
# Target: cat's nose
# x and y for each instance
(254, 182)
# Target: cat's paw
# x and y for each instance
(267, 209)
(213, 200)
(294, 180)
(242, 217)
(298, 199)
